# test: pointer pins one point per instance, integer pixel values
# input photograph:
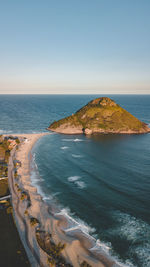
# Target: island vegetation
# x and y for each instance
(101, 115)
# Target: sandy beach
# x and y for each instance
(79, 246)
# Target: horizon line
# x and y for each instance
(75, 94)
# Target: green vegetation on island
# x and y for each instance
(101, 115)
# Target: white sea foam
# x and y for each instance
(35, 183)
(36, 178)
(107, 249)
(77, 156)
(73, 178)
(5, 132)
(78, 140)
(80, 184)
(143, 253)
(73, 140)
(137, 232)
(131, 227)
(101, 246)
(64, 147)
(34, 162)
(33, 157)
(75, 223)
(47, 197)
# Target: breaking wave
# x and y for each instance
(64, 147)
(137, 232)
(73, 140)
(77, 156)
(80, 184)
(5, 132)
(73, 178)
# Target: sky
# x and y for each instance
(74, 47)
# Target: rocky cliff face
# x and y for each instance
(101, 115)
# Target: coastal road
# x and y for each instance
(5, 198)
(15, 202)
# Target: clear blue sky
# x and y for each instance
(75, 46)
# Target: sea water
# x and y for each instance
(102, 182)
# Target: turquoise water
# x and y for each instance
(103, 181)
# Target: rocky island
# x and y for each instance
(101, 115)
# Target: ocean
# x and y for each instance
(102, 182)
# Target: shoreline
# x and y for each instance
(79, 246)
(72, 131)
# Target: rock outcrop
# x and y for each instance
(101, 115)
